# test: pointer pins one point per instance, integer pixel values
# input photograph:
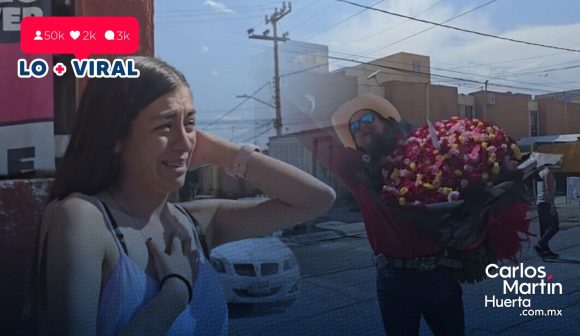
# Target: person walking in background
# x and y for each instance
(547, 213)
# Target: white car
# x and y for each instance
(257, 270)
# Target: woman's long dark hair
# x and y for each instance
(90, 165)
(103, 118)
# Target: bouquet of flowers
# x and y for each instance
(458, 180)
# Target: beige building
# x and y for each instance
(418, 102)
(520, 115)
(509, 110)
(402, 67)
(557, 116)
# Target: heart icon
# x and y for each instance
(75, 34)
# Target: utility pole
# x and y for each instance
(565, 114)
(485, 102)
(273, 20)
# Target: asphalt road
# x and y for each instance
(338, 291)
(337, 295)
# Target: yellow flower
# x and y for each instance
(412, 166)
(484, 177)
(454, 118)
(447, 190)
(492, 157)
(516, 151)
(428, 186)
(484, 145)
(454, 145)
(489, 130)
(402, 201)
(396, 173)
(495, 169)
(461, 138)
(479, 124)
(457, 172)
(492, 136)
(403, 191)
(419, 177)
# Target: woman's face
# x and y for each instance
(158, 149)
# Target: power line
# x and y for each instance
(343, 20)
(368, 51)
(313, 2)
(310, 17)
(254, 129)
(394, 26)
(458, 79)
(461, 29)
(449, 68)
(235, 107)
(257, 135)
(542, 71)
(433, 27)
(508, 61)
(470, 73)
(427, 75)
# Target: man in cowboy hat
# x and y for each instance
(413, 279)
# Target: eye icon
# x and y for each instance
(109, 35)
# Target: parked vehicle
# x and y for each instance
(257, 270)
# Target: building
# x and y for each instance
(572, 96)
(523, 116)
(509, 110)
(402, 67)
(558, 116)
(419, 102)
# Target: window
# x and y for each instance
(416, 66)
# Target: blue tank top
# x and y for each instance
(129, 288)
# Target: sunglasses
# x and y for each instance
(356, 125)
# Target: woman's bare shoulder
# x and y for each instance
(76, 211)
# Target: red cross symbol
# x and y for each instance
(59, 69)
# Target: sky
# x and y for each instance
(207, 40)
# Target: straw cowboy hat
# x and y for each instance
(341, 118)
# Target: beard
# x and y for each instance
(384, 144)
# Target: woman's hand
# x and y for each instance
(211, 149)
(175, 262)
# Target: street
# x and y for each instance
(338, 291)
